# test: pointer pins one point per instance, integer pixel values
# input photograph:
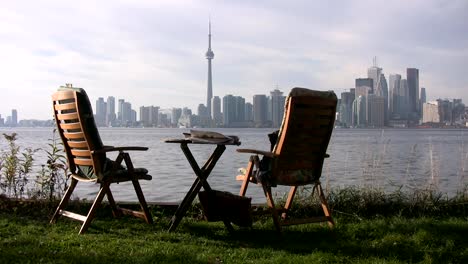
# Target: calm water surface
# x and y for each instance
(392, 158)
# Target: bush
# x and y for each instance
(15, 166)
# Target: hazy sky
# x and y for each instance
(153, 52)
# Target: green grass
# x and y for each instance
(26, 237)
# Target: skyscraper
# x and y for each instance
(209, 57)
(394, 90)
(101, 109)
(346, 108)
(412, 77)
(110, 112)
(260, 109)
(359, 111)
(374, 74)
(422, 99)
(277, 107)
(149, 116)
(367, 82)
(240, 109)
(14, 118)
(216, 111)
(403, 107)
(376, 105)
(175, 115)
(248, 112)
(229, 109)
(382, 90)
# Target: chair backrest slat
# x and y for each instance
(67, 116)
(74, 135)
(78, 144)
(83, 162)
(70, 126)
(306, 130)
(75, 124)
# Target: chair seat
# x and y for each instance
(122, 175)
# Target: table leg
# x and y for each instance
(202, 174)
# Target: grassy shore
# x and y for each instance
(417, 234)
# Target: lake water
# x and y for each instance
(392, 158)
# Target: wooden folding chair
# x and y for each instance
(298, 155)
(87, 160)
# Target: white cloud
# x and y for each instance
(152, 52)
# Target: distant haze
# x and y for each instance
(153, 52)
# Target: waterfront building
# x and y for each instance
(404, 100)
(446, 111)
(175, 115)
(431, 112)
(14, 117)
(364, 91)
(229, 109)
(120, 109)
(240, 109)
(277, 107)
(346, 108)
(101, 109)
(127, 114)
(376, 106)
(359, 112)
(394, 91)
(365, 82)
(422, 98)
(260, 109)
(412, 77)
(149, 116)
(458, 111)
(186, 111)
(216, 111)
(248, 112)
(203, 118)
(382, 90)
(186, 118)
(110, 111)
(374, 73)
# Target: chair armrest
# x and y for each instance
(110, 148)
(256, 151)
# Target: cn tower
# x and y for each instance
(209, 57)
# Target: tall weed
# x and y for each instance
(15, 166)
(51, 182)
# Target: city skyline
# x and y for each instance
(151, 53)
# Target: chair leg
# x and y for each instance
(115, 209)
(143, 204)
(271, 205)
(326, 209)
(97, 201)
(137, 187)
(289, 201)
(248, 174)
(66, 197)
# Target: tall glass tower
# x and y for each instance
(209, 56)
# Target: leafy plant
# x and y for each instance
(15, 165)
(51, 182)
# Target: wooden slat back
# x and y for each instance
(306, 132)
(70, 128)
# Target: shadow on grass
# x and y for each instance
(405, 240)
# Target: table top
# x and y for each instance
(209, 142)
